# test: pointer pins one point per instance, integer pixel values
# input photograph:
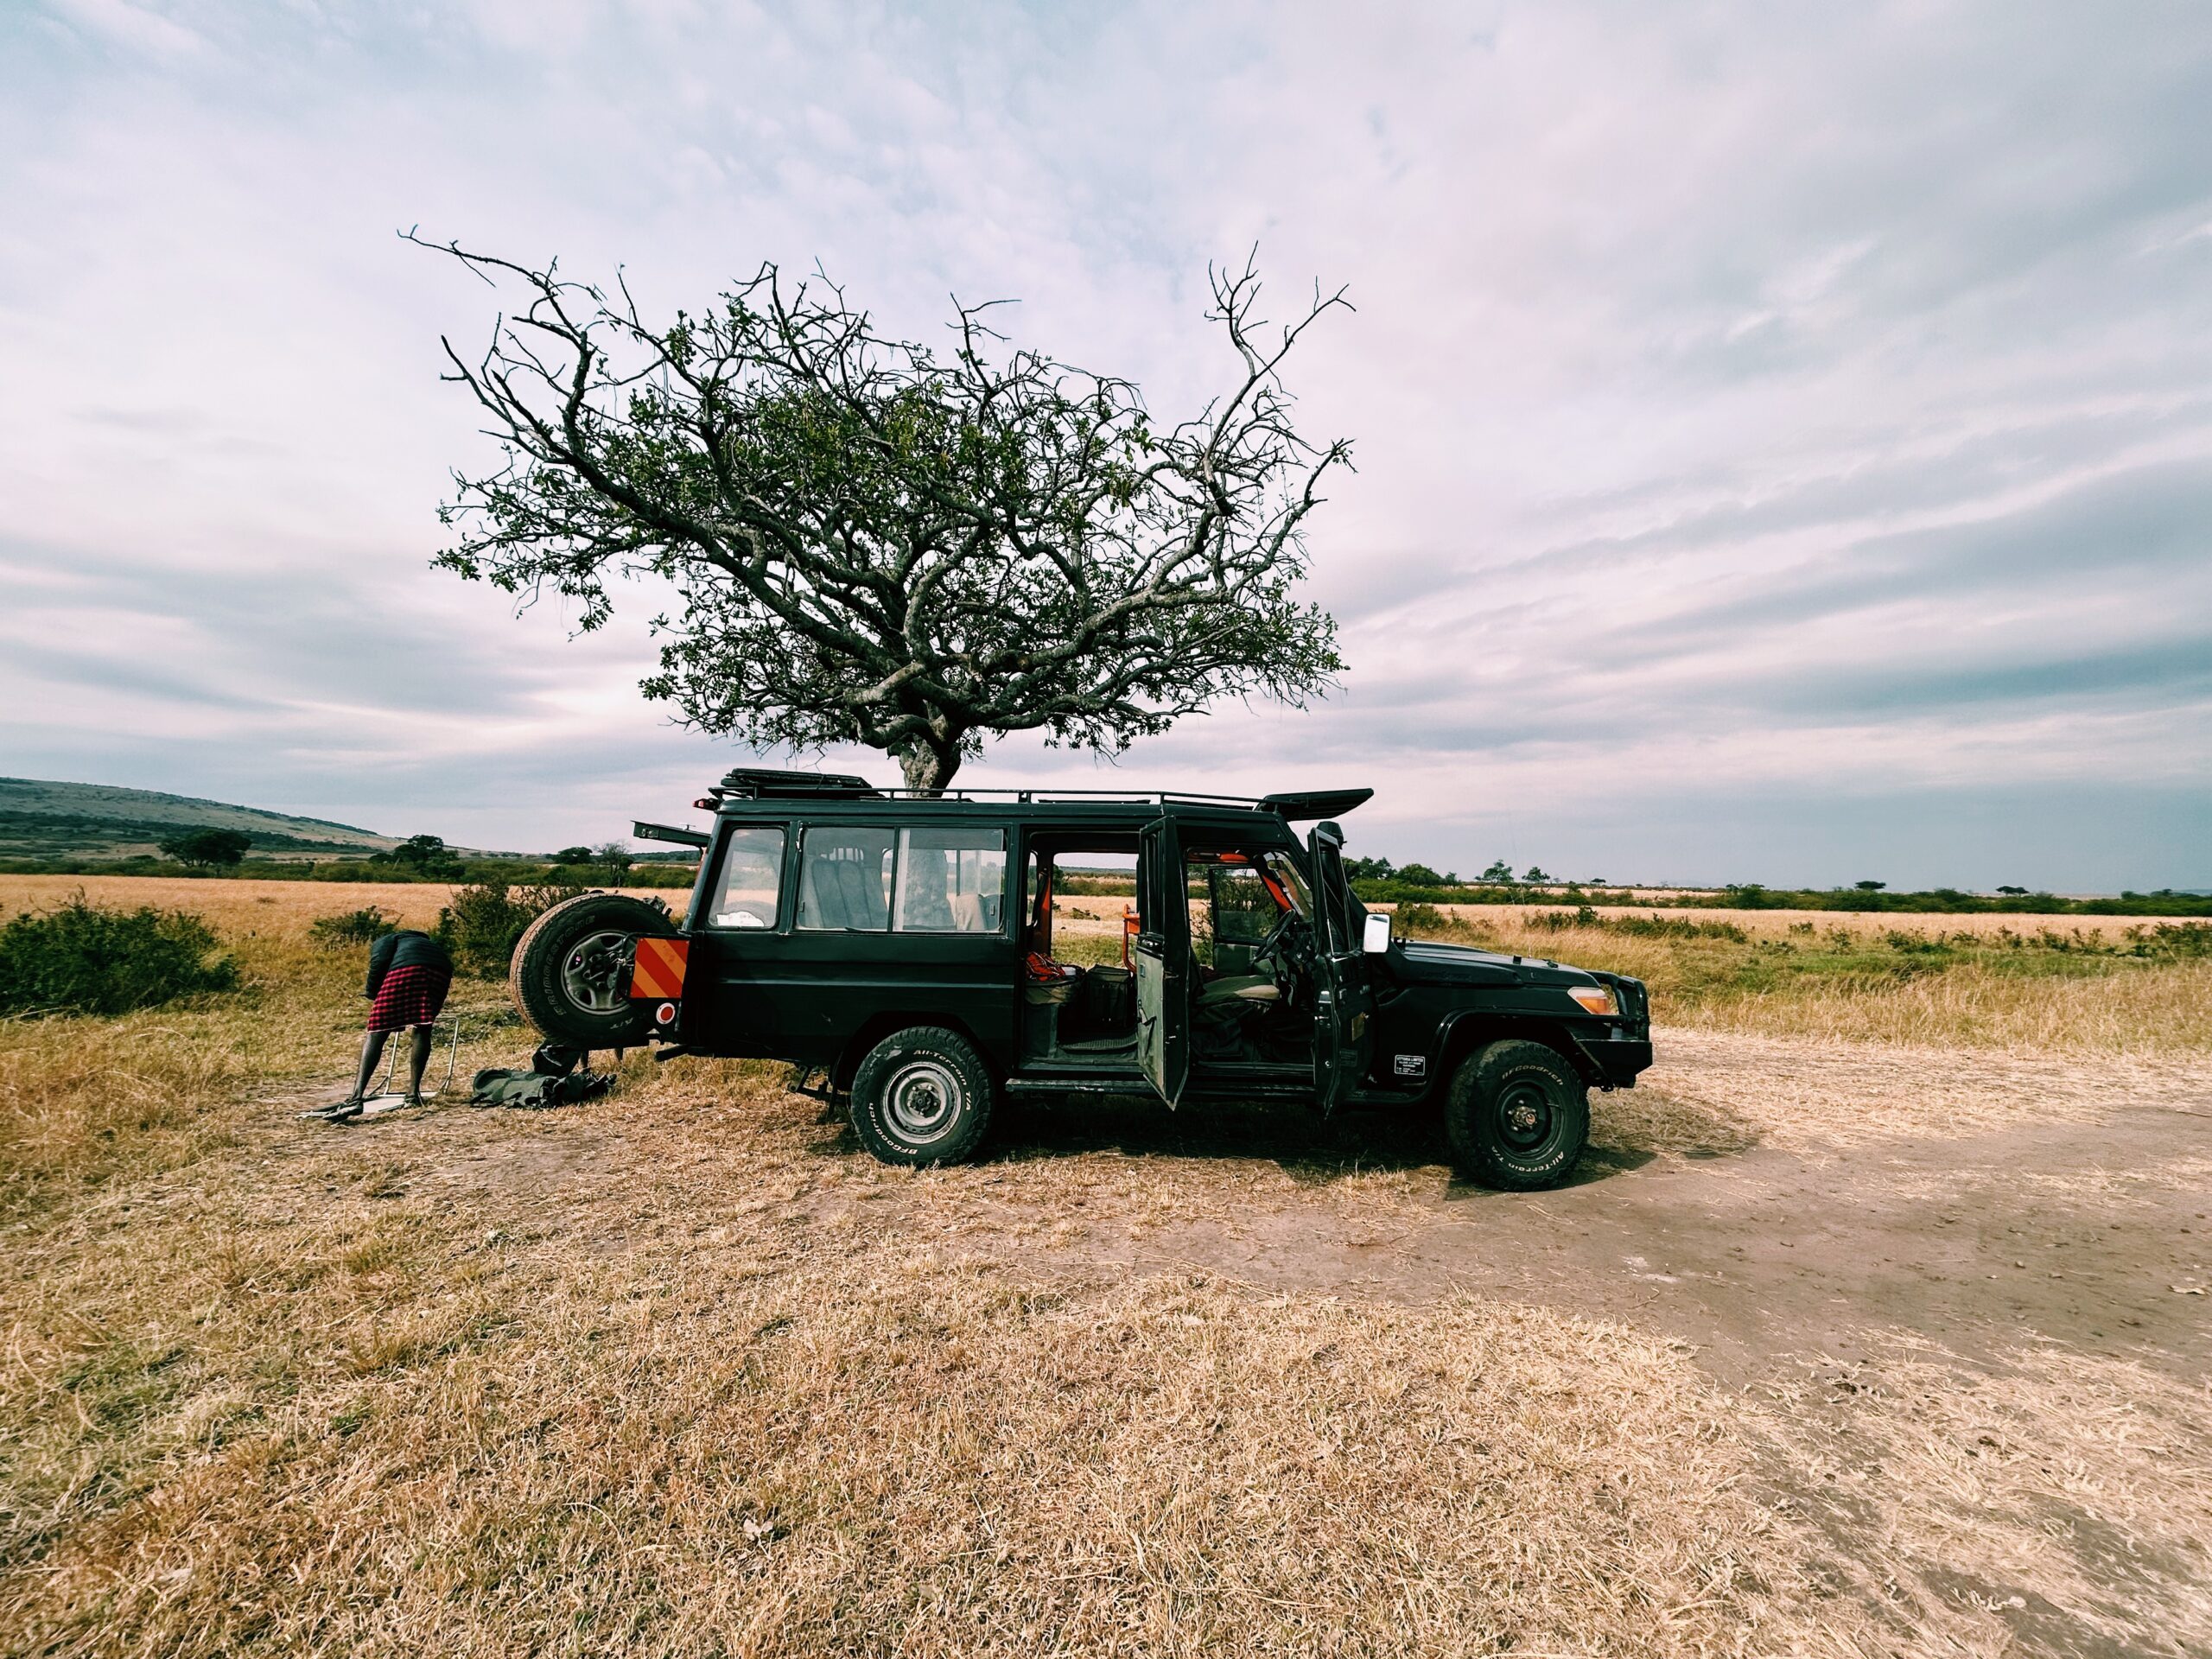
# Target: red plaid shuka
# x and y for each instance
(409, 996)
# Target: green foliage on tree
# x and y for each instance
(207, 850)
(862, 539)
(422, 855)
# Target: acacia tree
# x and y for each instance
(868, 542)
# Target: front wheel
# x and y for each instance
(922, 1096)
(1517, 1117)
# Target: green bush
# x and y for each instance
(1409, 916)
(2188, 939)
(361, 926)
(482, 923)
(82, 958)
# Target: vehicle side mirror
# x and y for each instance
(1376, 939)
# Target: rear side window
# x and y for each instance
(844, 878)
(950, 880)
(752, 874)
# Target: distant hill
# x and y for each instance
(49, 820)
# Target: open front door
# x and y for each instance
(1162, 961)
(1342, 996)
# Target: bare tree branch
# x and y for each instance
(867, 543)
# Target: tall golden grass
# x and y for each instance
(685, 1373)
(2089, 1004)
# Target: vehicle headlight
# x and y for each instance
(1595, 998)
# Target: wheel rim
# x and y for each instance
(1526, 1117)
(596, 973)
(923, 1100)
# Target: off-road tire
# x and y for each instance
(1517, 1117)
(539, 975)
(922, 1096)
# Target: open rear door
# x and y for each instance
(1342, 995)
(1162, 961)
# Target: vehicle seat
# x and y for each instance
(825, 905)
(862, 892)
(1238, 988)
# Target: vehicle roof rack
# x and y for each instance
(765, 783)
(757, 782)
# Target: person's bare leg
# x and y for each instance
(418, 1058)
(371, 1052)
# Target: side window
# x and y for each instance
(844, 878)
(1289, 880)
(950, 882)
(1198, 902)
(1244, 912)
(752, 874)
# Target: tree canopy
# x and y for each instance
(425, 854)
(208, 849)
(860, 539)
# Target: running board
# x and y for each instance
(1078, 1083)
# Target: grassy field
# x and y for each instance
(683, 1372)
(2085, 984)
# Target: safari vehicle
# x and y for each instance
(900, 949)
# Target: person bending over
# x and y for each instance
(409, 975)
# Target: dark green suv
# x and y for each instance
(923, 956)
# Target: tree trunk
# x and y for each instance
(928, 769)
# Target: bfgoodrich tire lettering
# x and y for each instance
(571, 972)
(922, 1096)
(1517, 1117)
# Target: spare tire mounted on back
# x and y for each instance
(570, 972)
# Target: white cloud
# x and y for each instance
(1678, 329)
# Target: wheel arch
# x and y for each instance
(1478, 1028)
(885, 1024)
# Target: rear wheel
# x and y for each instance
(922, 1096)
(570, 972)
(1517, 1117)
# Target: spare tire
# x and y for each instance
(570, 972)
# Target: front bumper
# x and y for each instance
(1618, 1059)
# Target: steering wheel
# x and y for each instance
(1274, 953)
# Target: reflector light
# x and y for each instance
(664, 1014)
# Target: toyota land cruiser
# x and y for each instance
(901, 949)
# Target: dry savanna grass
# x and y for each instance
(2079, 985)
(684, 1372)
(722, 1387)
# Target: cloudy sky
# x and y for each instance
(1784, 433)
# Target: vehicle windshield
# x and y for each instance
(1285, 871)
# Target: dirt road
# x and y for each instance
(2073, 1227)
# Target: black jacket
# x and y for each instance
(405, 949)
